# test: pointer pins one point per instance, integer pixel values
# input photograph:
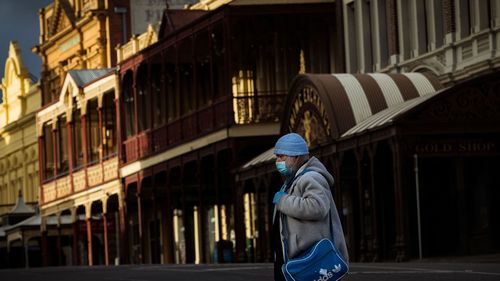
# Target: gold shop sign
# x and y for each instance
(456, 147)
(309, 117)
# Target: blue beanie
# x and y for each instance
(291, 145)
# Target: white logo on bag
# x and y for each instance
(337, 268)
(326, 275)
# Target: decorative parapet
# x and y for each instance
(79, 180)
(49, 192)
(94, 175)
(456, 60)
(137, 43)
(63, 186)
(111, 169)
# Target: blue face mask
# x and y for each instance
(281, 167)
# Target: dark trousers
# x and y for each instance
(278, 251)
(278, 274)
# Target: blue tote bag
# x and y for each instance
(321, 262)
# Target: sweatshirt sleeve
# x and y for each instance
(313, 204)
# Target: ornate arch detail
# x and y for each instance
(14, 69)
(431, 65)
(308, 112)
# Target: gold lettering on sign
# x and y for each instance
(460, 147)
(476, 147)
(309, 117)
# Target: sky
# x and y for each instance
(19, 22)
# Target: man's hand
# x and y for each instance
(277, 196)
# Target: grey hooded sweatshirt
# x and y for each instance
(304, 210)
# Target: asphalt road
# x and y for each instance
(253, 272)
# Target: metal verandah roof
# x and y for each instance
(388, 116)
(264, 157)
(83, 77)
(349, 99)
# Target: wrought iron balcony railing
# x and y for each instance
(225, 112)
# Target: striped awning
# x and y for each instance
(388, 115)
(264, 157)
(357, 102)
(349, 99)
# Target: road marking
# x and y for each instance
(418, 270)
(483, 273)
(201, 268)
(392, 267)
(236, 268)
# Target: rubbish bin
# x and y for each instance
(227, 251)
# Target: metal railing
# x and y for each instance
(224, 112)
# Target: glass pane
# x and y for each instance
(109, 124)
(93, 131)
(48, 152)
(62, 146)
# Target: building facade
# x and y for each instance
(80, 34)
(79, 168)
(18, 152)
(416, 175)
(201, 101)
(173, 177)
(456, 41)
(18, 148)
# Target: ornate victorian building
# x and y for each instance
(204, 99)
(18, 153)
(159, 159)
(79, 168)
(416, 174)
(79, 34)
(18, 149)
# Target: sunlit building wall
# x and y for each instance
(18, 147)
(80, 34)
(454, 40)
